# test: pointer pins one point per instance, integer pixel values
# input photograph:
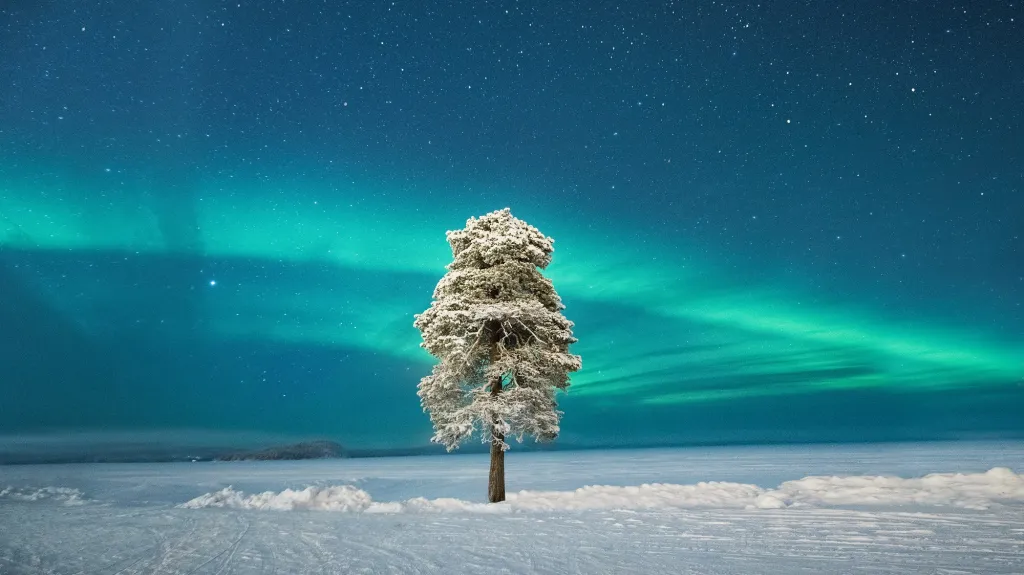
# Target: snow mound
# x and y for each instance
(65, 495)
(444, 505)
(968, 491)
(332, 498)
(711, 494)
(997, 486)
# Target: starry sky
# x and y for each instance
(790, 221)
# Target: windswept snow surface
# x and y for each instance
(835, 509)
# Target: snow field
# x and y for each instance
(857, 509)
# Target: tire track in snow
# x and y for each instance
(268, 560)
(232, 548)
(165, 556)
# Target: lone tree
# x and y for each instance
(496, 326)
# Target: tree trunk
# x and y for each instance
(496, 482)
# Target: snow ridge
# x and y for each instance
(967, 491)
(332, 498)
(997, 487)
(65, 495)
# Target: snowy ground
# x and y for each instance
(869, 508)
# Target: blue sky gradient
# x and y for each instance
(772, 223)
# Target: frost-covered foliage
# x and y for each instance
(496, 326)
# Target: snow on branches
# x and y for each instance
(496, 326)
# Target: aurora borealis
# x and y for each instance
(772, 223)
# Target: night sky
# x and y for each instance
(787, 221)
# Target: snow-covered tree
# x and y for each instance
(496, 326)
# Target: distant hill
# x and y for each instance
(135, 453)
(304, 450)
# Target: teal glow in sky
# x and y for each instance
(238, 243)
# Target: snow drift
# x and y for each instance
(969, 491)
(998, 486)
(65, 495)
(333, 498)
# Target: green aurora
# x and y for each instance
(656, 326)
